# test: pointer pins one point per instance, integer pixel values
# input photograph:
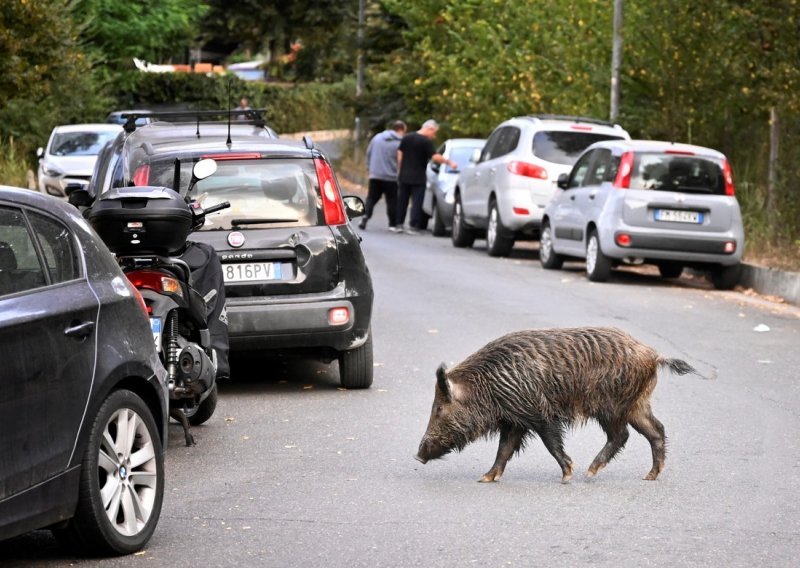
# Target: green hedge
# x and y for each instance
(291, 108)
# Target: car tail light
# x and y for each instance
(679, 152)
(140, 300)
(156, 281)
(338, 316)
(730, 247)
(623, 239)
(527, 170)
(234, 156)
(520, 211)
(728, 175)
(581, 127)
(623, 179)
(142, 175)
(332, 204)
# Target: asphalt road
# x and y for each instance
(293, 471)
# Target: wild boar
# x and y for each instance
(539, 383)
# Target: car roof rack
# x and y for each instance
(570, 118)
(255, 116)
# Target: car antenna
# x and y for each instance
(229, 142)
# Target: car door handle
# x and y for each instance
(591, 195)
(572, 197)
(80, 329)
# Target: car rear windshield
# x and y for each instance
(262, 192)
(565, 147)
(677, 172)
(80, 143)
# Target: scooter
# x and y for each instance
(147, 229)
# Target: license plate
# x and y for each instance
(251, 271)
(678, 216)
(155, 326)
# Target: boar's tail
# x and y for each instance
(678, 366)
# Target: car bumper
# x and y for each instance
(521, 209)
(687, 247)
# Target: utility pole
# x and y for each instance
(359, 70)
(616, 60)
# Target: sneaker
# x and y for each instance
(396, 229)
(412, 231)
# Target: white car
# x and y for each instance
(504, 192)
(70, 155)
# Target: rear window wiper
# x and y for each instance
(261, 221)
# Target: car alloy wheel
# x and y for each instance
(547, 256)
(497, 244)
(598, 266)
(462, 236)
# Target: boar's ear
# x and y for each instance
(441, 380)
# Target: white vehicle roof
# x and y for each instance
(90, 127)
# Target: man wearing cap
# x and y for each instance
(415, 151)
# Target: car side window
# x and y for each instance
(489, 150)
(579, 171)
(58, 248)
(508, 141)
(20, 269)
(599, 168)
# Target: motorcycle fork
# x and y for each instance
(171, 347)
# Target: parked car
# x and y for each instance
(83, 397)
(441, 181)
(504, 193)
(71, 154)
(672, 205)
(296, 278)
(118, 117)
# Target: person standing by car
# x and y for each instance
(415, 151)
(382, 168)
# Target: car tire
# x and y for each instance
(598, 265)
(498, 243)
(121, 486)
(726, 277)
(355, 366)
(205, 410)
(670, 269)
(462, 236)
(438, 229)
(547, 256)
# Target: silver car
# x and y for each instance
(504, 194)
(71, 154)
(672, 205)
(441, 181)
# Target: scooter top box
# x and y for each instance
(142, 220)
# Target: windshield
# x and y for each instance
(677, 172)
(565, 147)
(262, 192)
(80, 143)
(461, 156)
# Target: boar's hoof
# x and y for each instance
(566, 478)
(593, 470)
(491, 476)
(652, 475)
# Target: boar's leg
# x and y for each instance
(552, 436)
(648, 426)
(510, 442)
(617, 434)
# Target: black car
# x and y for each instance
(296, 280)
(83, 398)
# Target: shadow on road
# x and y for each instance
(254, 373)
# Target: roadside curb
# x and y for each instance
(772, 282)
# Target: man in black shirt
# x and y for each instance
(413, 154)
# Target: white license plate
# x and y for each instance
(678, 216)
(155, 326)
(251, 271)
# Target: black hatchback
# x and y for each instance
(296, 280)
(83, 396)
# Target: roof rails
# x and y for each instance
(571, 119)
(255, 116)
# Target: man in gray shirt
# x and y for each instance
(382, 167)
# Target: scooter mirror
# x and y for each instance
(204, 168)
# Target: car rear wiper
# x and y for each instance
(260, 221)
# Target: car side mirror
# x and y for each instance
(79, 197)
(354, 206)
(201, 170)
(563, 181)
(39, 152)
(476, 156)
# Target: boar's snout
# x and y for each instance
(429, 450)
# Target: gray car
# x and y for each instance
(441, 181)
(83, 396)
(636, 201)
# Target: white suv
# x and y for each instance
(504, 192)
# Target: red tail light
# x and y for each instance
(156, 281)
(234, 156)
(623, 239)
(623, 179)
(338, 316)
(142, 175)
(332, 204)
(527, 170)
(140, 301)
(728, 175)
(581, 127)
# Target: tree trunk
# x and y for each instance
(616, 60)
(772, 173)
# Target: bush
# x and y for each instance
(13, 167)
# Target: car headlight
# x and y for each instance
(51, 171)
